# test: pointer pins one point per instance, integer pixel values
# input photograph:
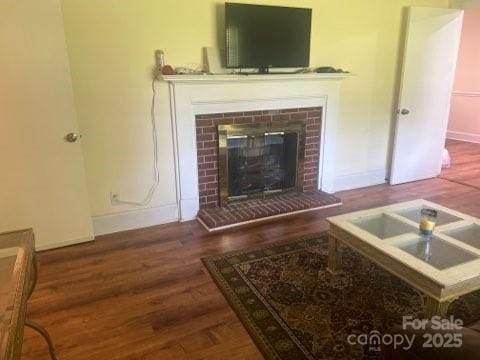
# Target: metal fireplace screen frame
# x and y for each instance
(258, 130)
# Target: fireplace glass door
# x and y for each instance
(259, 160)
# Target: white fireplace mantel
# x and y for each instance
(192, 95)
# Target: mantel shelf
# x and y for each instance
(199, 79)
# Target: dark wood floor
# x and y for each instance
(145, 294)
(465, 168)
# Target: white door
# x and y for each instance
(42, 178)
(430, 57)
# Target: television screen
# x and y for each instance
(267, 36)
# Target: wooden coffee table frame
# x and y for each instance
(438, 287)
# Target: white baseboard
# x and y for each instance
(43, 247)
(462, 136)
(189, 208)
(107, 224)
(360, 180)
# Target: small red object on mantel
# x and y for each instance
(168, 70)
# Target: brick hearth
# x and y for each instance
(207, 146)
(244, 212)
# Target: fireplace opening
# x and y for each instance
(260, 159)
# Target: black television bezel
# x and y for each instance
(265, 67)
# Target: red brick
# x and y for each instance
(234, 114)
(209, 172)
(213, 116)
(212, 198)
(252, 113)
(210, 144)
(206, 152)
(208, 192)
(314, 114)
(310, 177)
(262, 118)
(211, 214)
(211, 158)
(281, 117)
(207, 179)
(311, 133)
(209, 130)
(299, 116)
(205, 137)
(204, 122)
(225, 121)
(210, 205)
(312, 140)
(205, 166)
(212, 185)
(287, 111)
(243, 120)
(270, 112)
(200, 159)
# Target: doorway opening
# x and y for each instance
(461, 158)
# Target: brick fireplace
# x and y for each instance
(208, 146)
(199, 104)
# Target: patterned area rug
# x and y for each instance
(294, 308)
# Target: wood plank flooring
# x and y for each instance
(465, 167)
(145, 294)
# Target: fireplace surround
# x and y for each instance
(194, 96)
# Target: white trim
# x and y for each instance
(107, 224)
(360, 180)
(262, 103)
(212, 79)
(466, 93)
(173, 122)
(463, 136)
(43, 247)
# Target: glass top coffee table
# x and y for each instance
(442, 268)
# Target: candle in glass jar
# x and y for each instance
(428, 221)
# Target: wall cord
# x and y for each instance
(156, 171)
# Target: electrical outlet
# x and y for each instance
(114, 198)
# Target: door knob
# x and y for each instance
(72, 137)
(405, 112)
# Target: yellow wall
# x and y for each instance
(111, 45)
(465, 4)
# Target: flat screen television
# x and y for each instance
(263, 37)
